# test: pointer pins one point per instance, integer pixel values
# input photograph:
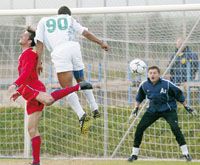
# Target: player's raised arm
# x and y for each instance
(78, 28)
(93, 38)
(39, 39)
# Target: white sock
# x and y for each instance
(135, 151)
(184, 149)
(91, 100)
(75, 104)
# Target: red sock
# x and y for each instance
(36, 142)
(58, 94)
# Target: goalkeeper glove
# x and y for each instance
(190, 110)
(135, 111)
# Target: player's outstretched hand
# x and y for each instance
(190, 110)
(14, 96)
(104, 46)
(135, 111)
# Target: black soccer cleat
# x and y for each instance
(188, 157)
(132, 158)
(85, 124)
(96, 114)
(84, 85)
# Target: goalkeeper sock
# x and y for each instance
(75, 104)
(184, 149)
(91, 100)
(58, 94)
(36, 142)
(135, 151)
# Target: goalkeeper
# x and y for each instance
(162, 95)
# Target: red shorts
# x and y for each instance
(29, 92)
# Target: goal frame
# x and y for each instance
(97, 10)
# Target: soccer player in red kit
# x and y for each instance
(33, 90)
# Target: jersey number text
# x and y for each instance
(61, 24)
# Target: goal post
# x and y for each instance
(145, 32)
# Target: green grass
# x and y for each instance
(61, 134)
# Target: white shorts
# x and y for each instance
(67, 57)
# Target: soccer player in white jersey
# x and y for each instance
(57, 33)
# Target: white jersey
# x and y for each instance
(57, 30)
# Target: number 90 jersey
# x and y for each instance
(56, 30)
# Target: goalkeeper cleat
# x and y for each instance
(85, 124)
(132, 158)
(96, 114)
(188, 157)
(84, 85)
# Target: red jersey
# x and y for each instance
(27, 67)
(28, 82)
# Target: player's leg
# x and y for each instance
(147, 119)
(172, 119)
(30, 93)
(62, 58)
(33, 122)
(49, 99)
(79, 76)
(65, 79)
(78, 67)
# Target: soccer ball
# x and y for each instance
(137, 66)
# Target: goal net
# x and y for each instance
(149, 33)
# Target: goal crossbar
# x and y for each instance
(104, 10)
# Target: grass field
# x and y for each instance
(95, 162)
(69, 144)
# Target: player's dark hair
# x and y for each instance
(154, 67)
(31, 35)
(64, 10)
